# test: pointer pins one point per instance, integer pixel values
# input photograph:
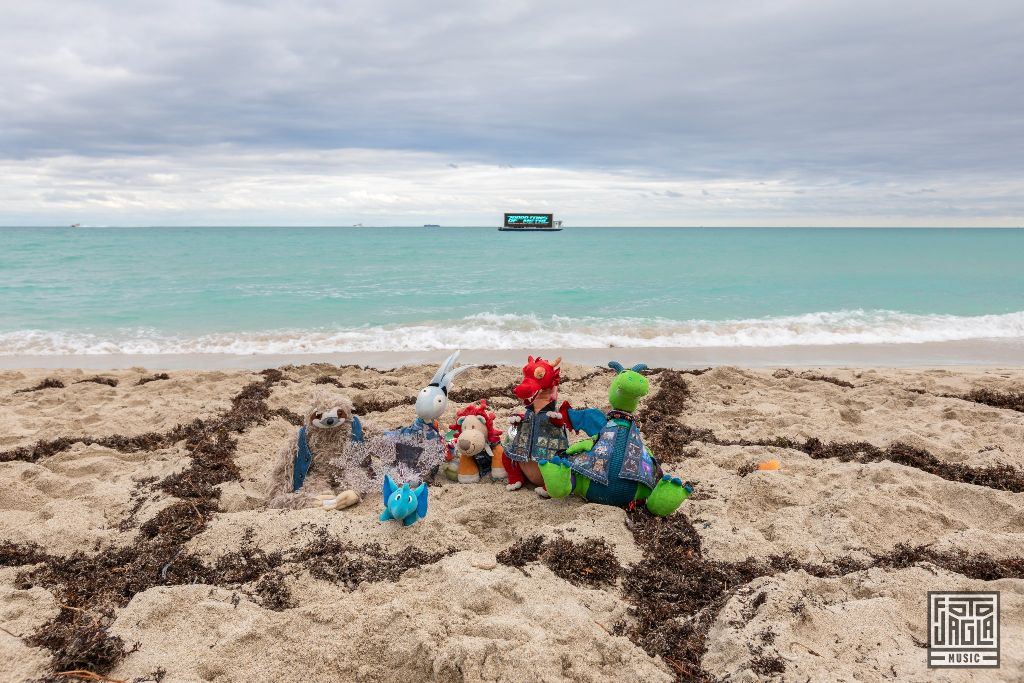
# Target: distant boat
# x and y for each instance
(530, 222)
(357, 225)
(76, 225)
(431, 225)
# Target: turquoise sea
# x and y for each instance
(321, 290)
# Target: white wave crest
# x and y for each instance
(507, 331)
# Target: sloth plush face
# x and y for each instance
(329, 411)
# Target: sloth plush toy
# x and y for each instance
(310, 467)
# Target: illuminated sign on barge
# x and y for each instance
(531, 221)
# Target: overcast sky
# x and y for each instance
(718, 112)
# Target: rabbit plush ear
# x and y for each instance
(639, 367)
(444, 369)
(616, 366)
(447, 379)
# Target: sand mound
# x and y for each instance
(445, 622)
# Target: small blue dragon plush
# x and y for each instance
(403, 503)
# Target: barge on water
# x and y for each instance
(530, 222)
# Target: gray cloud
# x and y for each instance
(802, 90)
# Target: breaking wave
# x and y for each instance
(507, 331)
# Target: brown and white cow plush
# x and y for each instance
(320, 456)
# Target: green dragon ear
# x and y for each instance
(616, 366)
(639, 367)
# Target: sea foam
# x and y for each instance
(508, 331)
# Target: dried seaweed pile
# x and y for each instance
(48, 383)
(676, 593)
(329, 558)
(152, 378)
(246, 408)
(506, 392)
(89, 588)
(590, 563)
(1010, 400)
(98, 379)
(827, 378)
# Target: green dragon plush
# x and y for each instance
(613, 466)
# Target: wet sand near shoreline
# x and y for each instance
(1004, 353)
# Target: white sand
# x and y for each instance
(453, 621)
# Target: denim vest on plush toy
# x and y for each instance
(304, 456)
(620, 451)
(535, 438)
(303, 459)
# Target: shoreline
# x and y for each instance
(983, 353)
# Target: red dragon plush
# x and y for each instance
(539, 376)
(539, 432)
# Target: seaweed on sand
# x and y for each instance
(1010, 400)
(97, 379)
(470, 394)
(271, 592)
(19, 554)
(590, 563)
(152, 378)
(666, 435)
(48, 383)
(365, 405)
(676, 593)
(827, 378)
(328, 558)
(327, 379)
(522, 552)
(89, 588)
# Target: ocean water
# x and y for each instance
(325, 290)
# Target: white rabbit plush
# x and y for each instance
(432, 401)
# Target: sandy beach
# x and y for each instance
(146, 550)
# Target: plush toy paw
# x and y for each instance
(580, 447)
(557, 477)
(514, 487)
(345, 499)
(515, 419)
(542, 492)
(668, 495)
(498, 473)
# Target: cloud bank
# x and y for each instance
(699, 113)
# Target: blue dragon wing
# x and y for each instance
(389, 488)
(589, 420)
(421, 500)
(357, 429)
